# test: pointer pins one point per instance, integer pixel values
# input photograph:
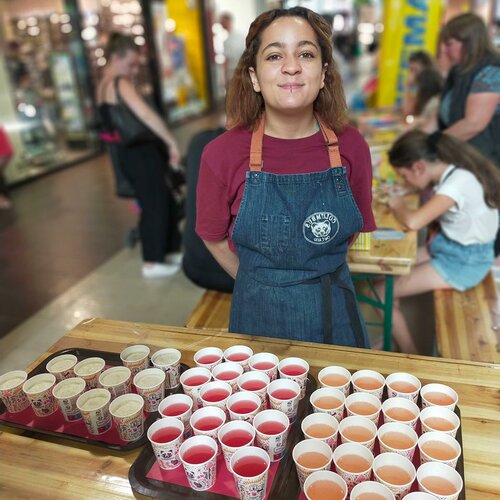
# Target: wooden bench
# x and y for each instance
(211, 312)
(468, 323)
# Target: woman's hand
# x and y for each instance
(174, 153)
(395, 201)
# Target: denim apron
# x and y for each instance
(291, 234)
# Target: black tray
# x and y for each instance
(111, 359)
(285, 484)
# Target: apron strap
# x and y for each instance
(329, 136)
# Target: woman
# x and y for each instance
(417, 62)
(143, 164)
(278, 204)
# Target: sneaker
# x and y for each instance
(158, 270)
(174, 258)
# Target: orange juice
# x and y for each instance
(439, 398)
(439, 485)
(325, 490)
(320, 431)
(393, 474)
(362, 408)
(401, 386)
(401, 414)
(353, 463)
(357, 433)
(439, 424)
(327, 402)
(439, 450)
(335, 380)
(368, 383)
(312, 460)
(397, 440)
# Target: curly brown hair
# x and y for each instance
(244, 106)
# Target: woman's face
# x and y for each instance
(453, 50)
(289, 72)
(416, 175)
(127, 65)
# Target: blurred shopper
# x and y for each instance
(6, 153)
(234, 45)
(417, 61)
(459, 252)
(280, 194)
(144, 163)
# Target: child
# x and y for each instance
(464, 205)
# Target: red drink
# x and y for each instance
(284, 394)
(264, 365)
(293, 370)
(237, 438)
(215, 395)
(208, 423)
(166, 435)
(227, 375)
(249, 466)
(196, 380)
(271, 428)
(175, 409)
(238, 357)
(243, 407)
(198, 454)
(253, 385)
(208, 359)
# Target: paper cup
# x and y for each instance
(62, 366)
(166, 437)
(179, 406)
(265, 362)
(419, 495)
(352, 471)
(94, 407)
(232, 437)
(439, 395)
(239, 354)
(168, 360)
(67, 393)
(90, 369)
(395, 437)
(243, 406)
(401, 488)
(208, 357)
(336, 377)
(328, 400)
(136, 358)
(228, 372)
(39, 392)
(256, 382)
(359, 430)
(363, 404)
(207, 422)
(436, 478)
(339, 486)
(250, 487)
(116, 380)
(201, 476)
(439, 447)
(372, 488)
(11, 391)
(127, 412)
(400, 410)
(270, 436)
(150, 384)
(439, 419)
(288, 392)
(322, 427)
(215, 394)
(310, 447)
(403, 385)
(295, 369)
(192, 381)
(368, 381)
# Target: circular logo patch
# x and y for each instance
(320, 228)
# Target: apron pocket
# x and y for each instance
(275, 234)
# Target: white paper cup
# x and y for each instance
(168, 360)
(349, 426)
(67, 392)
(94, 407)
(230, 442)
(273, 443)
(403, 385)
(265, 362)
(62, 366)
(350, 474)
(243, 406)
(239, 354)
(439, 472)
(322, 427)
(208, 357)
(150, 384)
(321, 476)
(256, 382)
(166, 448)
(39, 392)
(286, 370)
(429, 443)
(386, 434)
(336, 377)
(439, 419)
(288, 402)
(374, 488)
(216, 394)
(368, 381)
(439, 395)
(251, 487)
(179, 406)
(363, 404)
(90, 369)
(419, 495)
(394, 460)
(207, 421)
(127, 412)
(116, 380)
(201, 476)
(228, 372)
(321, 398)
(11, 391)
(192, 381)
(310, 446)
(136, 358)
(400, 410)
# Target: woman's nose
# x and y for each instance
(291, 65)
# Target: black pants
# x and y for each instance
(144, 166)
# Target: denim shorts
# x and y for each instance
(461, 266)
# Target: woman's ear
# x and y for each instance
(418, 167)
(253, 77)
(325, 67)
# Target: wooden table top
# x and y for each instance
(50, 468)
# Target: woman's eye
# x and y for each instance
(307, 55)
(272, 57)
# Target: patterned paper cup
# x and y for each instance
(235, 435)
(39, 392)
(321, 426)
(284, 396)
(384, 467)
(62, 366)
(439, 395)
(67, 393)
(338, 488)
(311, 456)
(11, 391)
(94, 407)
(228, 372)
(150, 384)
(168, 360)
(265, 362)
(439, 480)
(336, 377)
(353, 462)
(295, 369)
(136, 358)
(243, 406)
(419, 495)
(179, 406)
(403, 385)
(116, 380)
(439, 419)
(90, 369)
(271, 428)
(359, 430)
(395, 437)
(364, 490)
(128, 415)
(250, 466)
(363, 404)
(166, 437)
(208, 357)
(207, 421)
(215, 394)
(400, 410)
(198, 455)
(256, 382)
(439, 447)
(328, 400)
(192, 381)
(368, 381)
(240, 354)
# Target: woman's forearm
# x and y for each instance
(227, 259)
(463, 129)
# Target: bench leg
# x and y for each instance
(389, 294)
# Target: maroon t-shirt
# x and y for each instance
(225, 162)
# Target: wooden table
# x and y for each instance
(47, 468)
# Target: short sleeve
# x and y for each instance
(486, 81)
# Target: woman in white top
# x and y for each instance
(464, 210)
